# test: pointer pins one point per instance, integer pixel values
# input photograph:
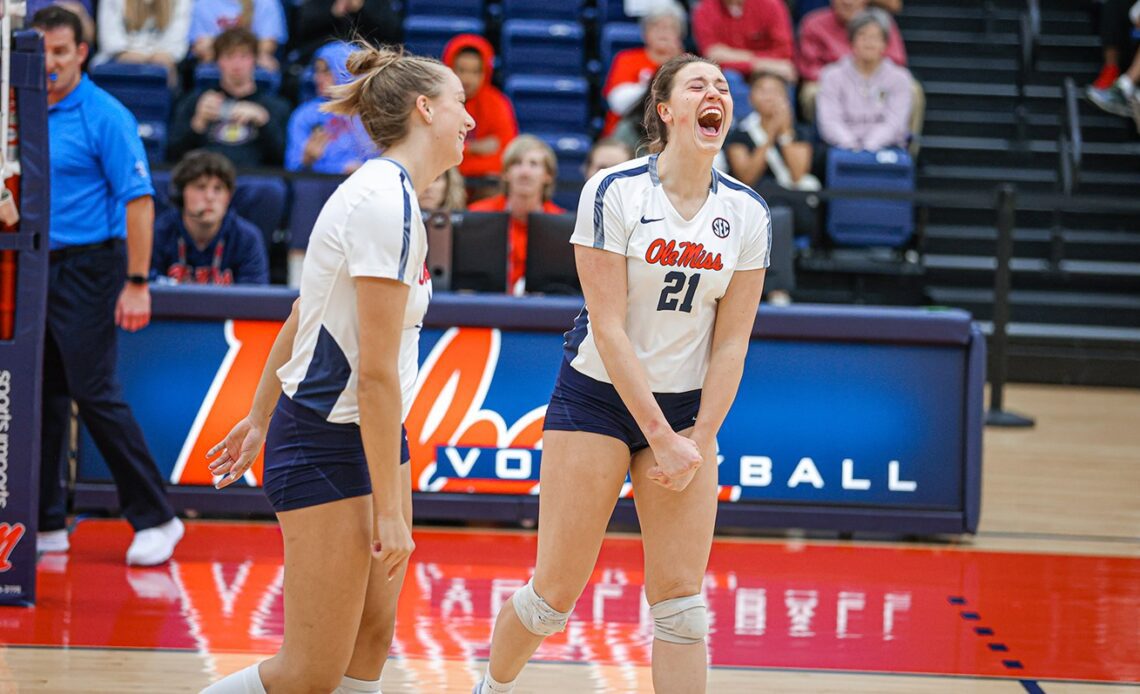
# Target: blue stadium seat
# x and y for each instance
(566, 11)
(867, 222)
(540, 47)
(803, 7)
(617, 37)
(428, 34)
(161, 182)
(571, 148)
(309, 196)
(261, 200)
(738, 87)
(612, 11)
(447, 8)
(143, 90)
(207, 75)
(549, 105)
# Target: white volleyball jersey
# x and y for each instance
(677, 270)
(370, 227)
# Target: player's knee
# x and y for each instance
(683, 620)
(536, 614)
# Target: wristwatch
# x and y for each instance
(137, 280)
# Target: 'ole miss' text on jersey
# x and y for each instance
(677, 269)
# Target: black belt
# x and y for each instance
(69, 251)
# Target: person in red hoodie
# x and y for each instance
(471, 58)
(529, 171)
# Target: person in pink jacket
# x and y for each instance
(864, 99)
(823, 40)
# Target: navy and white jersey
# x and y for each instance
(677, 270)
(370, 227)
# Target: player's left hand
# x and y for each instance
(236, 453)
(132, 312)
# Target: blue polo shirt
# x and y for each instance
(98, 165)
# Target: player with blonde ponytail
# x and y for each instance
(338, 382)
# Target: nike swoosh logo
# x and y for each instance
(650, 221)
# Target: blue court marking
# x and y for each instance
(972, 616)
(983, 631)
(1013, 664)
(1000, 647)
(956, 600)
(1032, 687)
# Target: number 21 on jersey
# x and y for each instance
(675, 283)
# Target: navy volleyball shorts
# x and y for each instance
(580, 403)
(311, 461)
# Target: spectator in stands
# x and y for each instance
(265, 18)
(1117, 20)
(445, 194)
(472, 58)
(320, 21)
(823, 41)
(321, 141)
(236, 119)
(606, 152)
(144, 31)
(529, 171)
(865, 99)
(766, 150)
(663, 29)
(1121, 96)
(746, 35)
(203, 241)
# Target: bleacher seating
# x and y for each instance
(447, 8)
(143, 90)
(571, 148)
(545, 105)
(543, 10)
(542, 47)
(613, 11)
(261, 200)
(309, 196)
(616, 37)
(860, 222)
(207, 76)
(428, 34)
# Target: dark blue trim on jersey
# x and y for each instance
(599, 199)
(758, 198)
(326, 378)
(406, 244)
(715, 179)
(652, 164)
(576, 335)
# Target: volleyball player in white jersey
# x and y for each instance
(341, 373)
(671, 256)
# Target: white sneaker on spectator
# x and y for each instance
(52, 541)
(155, 545)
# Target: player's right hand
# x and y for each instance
(392, 542)
(677, 460)
(236, 453)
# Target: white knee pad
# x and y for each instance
(536, 614)
(682, 620)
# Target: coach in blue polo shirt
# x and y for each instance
(102, 215)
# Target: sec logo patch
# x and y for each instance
(720, 227)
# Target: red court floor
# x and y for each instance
(774, 604)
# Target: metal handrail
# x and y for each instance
(1070, 143)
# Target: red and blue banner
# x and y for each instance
(861, 425)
